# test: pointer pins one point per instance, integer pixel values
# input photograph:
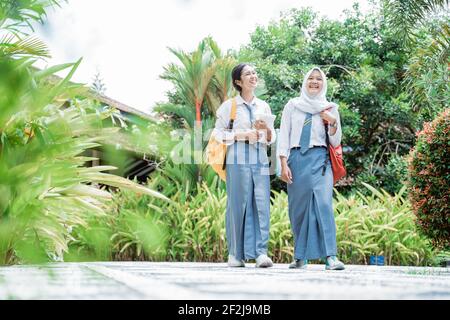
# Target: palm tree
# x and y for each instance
(221, 87)
(15, 19)
(17, 16)
(193, 77)
(405, 15)
(215, 87)
(426, 79)
(203, 79)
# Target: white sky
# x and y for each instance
(127, 40)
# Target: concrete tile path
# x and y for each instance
(210, 281)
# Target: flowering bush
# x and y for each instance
(429, 179)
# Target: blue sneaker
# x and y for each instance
(333, 263)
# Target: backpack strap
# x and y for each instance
(230, 125)
(327, 139)
(232, 113)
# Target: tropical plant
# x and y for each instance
(429, 180)
(202, 83)
(144, 228)
(379, 224)
(170, 178)
(281, 239)
(47, 190)
(44, 132)
(197, 226)
(15, 16)
(192, 79)
(98, 86)
(192, 227)
(132, 230)
(426, 79)
(405, 15)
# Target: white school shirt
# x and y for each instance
(242, 122)
(292, 120)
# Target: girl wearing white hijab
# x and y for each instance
(306, 168)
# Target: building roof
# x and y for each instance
(109, 101)
(120, 106)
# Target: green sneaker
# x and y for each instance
(333, 263)
(299, 264)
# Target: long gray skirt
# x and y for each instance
(248, 203)
(310, 198)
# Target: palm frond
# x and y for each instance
(426, 79)
(11, 46)
(193, 78)
(15, 15)
(181, 111)
(405, 15)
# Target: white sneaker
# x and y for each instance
(263, 261)
(233, 262)
(333, 263)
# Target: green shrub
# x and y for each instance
(396, 174)
(197, 226)
(391, 177)
(192, 228)
(379, 224)
(281, 239)
(133, 229)
(171, 177)
(429, 179)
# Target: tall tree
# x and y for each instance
(405, 15)
(427, 78)
(193, 77)
(98, 86)
(202, 82)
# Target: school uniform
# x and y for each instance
(302, 142)
(247, 180)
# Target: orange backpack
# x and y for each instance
(336, 158)
(216, 151)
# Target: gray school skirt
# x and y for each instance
(248, 202)
(310, 199)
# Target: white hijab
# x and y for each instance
(313, 104)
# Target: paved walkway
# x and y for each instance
(164, 280)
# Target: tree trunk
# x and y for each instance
(197, 111)
(198, 150)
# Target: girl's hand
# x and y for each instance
(286, 174)
(251, 136)
(327, 117)
(260, 125)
